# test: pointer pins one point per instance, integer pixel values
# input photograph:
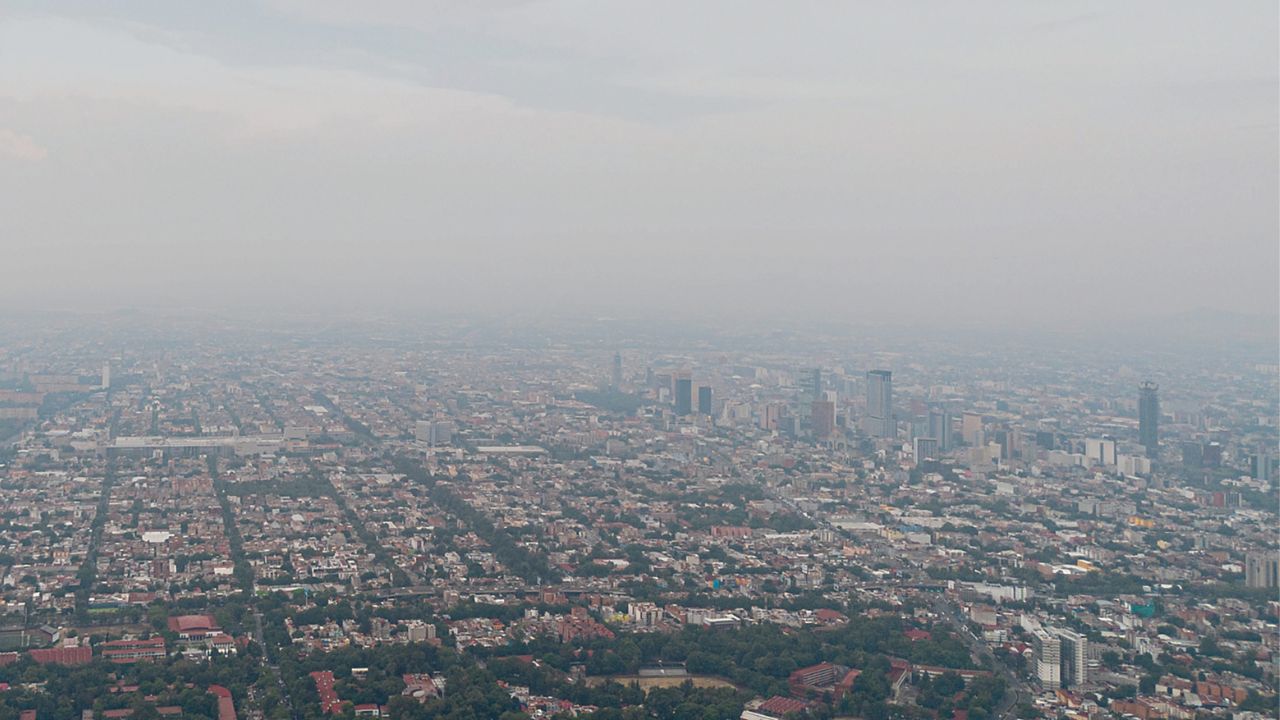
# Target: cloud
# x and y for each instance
(741, 86)
(421, 14)
(23, 147)
(1063, 23)
(553, 153)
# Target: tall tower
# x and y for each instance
(1048, 647)
(940, 427)
(617, 371)
(822, 418)
(684, 396)
(106, 375)
(704, 400)
(1149, 417)
(1262, 569)
(879, 420)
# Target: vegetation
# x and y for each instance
(528, 566)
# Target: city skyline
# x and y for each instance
(972, 527)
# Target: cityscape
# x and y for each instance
(662, 360)
(470, 518)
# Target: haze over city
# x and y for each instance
(568, 360)
(1083, 163)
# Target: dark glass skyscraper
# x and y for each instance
(1149, 417)
(684, 396)
(704, 399)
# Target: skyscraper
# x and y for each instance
(815, 383)
(704, 399)
(771, 415)
(879, 419)
(1262, 569)
(940, 427)
(1262, 464)
(617, 371)
(1101, 451)
(1062, 658)
(1149, 417)
(1075, 657)
(822, 418)
(971, 429)
(684, 396)
(1048, 648)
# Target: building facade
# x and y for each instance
(1149, 417)
(879, 420)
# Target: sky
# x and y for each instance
(981, 162)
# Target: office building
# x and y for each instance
(433, 432)
(106, 375)
(1149, 418)
(789, 425)
(1101, 451)
(1211, 454)
(1062, 658)
(925, 448)
(879, 420)
(822, 418)
(940, 427)
(1075, 657)
(1004, 438)
(704, 399)
(1263, 465)
(971, 429)
(1192, 455)
(1048, 653)
(616, 380)
(1262, 570)
(1133, 464)
(684, 396)
(918, 426)
(813, 384)
(771, 416)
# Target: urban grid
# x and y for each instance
(314, 523)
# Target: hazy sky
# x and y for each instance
(1016, 161)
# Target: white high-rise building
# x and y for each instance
(106, 375)
(433, 432)
(1133, 464)
(1101, 451)
(1048, 659)
(1062, 658)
